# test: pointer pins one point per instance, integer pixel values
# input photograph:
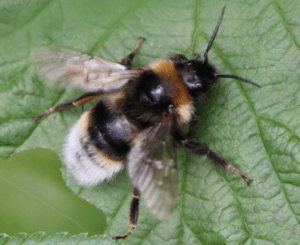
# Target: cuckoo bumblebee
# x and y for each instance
(138, 122)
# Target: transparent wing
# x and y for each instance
(152, 168)
(73, 68)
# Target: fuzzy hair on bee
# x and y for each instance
(139, 121)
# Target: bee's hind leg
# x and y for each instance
(133, 214)
(199, 148)
(127, 61)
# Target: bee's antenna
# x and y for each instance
(214, 36)
(237, 78)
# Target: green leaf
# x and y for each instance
(59, 238)
(257, 130)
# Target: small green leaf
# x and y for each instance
(35, 238)
(256, 129)
(59, 238)
(17, 239)
(4, 238)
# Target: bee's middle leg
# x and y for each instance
(194, 126)
(80, 101)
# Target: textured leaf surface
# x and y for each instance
(60, 238)
(255, 129)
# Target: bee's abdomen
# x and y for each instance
(97, 145)
(107, 132)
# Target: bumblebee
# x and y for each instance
(138, 122)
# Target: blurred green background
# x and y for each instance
(34, 197)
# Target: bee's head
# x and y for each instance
(200, 76)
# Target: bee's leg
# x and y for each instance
(80, 101)
(178, 58)
(199, 148)
(133, 214)
(127, 61)
(194, 126)
(196, 56)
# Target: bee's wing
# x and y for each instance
(73, 68)
(152, 168)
